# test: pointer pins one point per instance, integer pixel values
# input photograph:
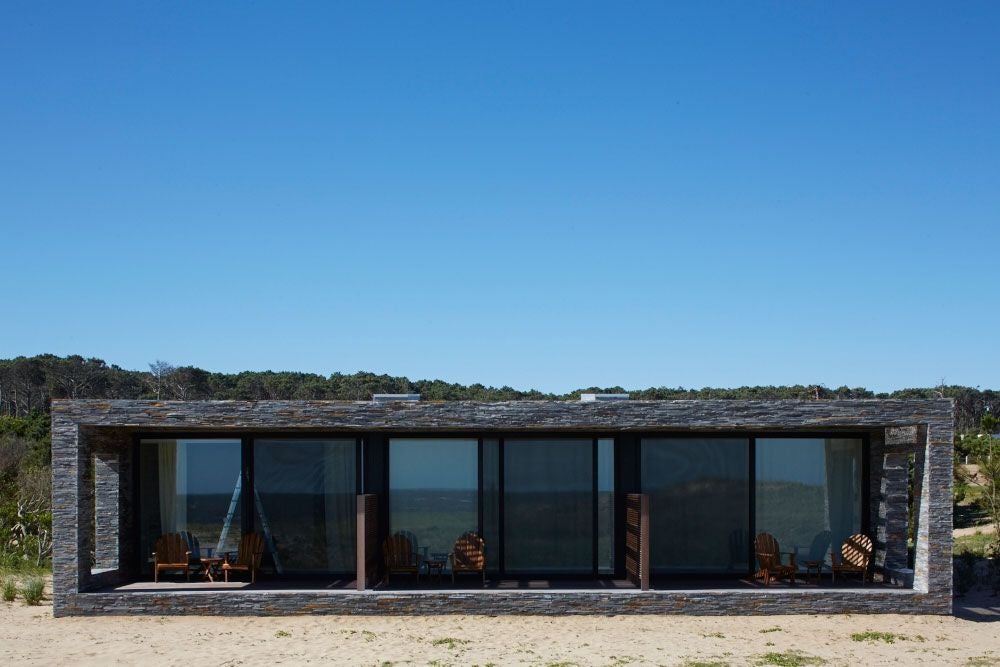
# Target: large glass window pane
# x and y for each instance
(699, 503)
(549, 506)
(606, 506)
(809, 492)
(434, 491)
(306, 503)
(491, 502)
(191, 486)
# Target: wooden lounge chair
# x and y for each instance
(854, 558)
(398, 555)
(769, 558)
(468, 555)
(247, 558)
(171, 553)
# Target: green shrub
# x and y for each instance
(33, 591)
(965, 572)
(9, 590)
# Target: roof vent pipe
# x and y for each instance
(390, 398)
(594, 398)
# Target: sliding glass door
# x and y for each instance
(192, 487)
(434, 492)
(699, 499)
(809, 492)
(548, 494)
(305, 503)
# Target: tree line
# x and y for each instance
(28, 384)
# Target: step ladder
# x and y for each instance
(265, 527)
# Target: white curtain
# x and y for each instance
(339, 501)
(843, 492)
(172, 466)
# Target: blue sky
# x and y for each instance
(546, 195)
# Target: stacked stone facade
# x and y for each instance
(95, 522)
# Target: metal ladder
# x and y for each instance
(265, 527)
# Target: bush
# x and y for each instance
(9, 590)
(993, 558)
(965, 572)
(33, 591)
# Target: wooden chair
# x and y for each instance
(769, 558)
(171, 553)
(468, 555)
(247, 558)
(855, 557)
(398, 555)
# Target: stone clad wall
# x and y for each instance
(509, 415)
(82, 429)
(493, 602)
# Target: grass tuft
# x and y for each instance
(9, 590)
(33, 591)
(875, 636)
(282, 633)
(450, 642)
(790, 659)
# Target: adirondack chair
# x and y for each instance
(171, 553)
(854, 558)
(769, 558)
(398, 555)
(247, 557)
(468, 555)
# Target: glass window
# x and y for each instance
(306, 503)
(699, 503)
(809, 492)
(191, 487)
(606, 506)
(549, 506)
(491, 502)
(434, 491)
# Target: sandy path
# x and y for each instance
(29, 635)
(986, 529)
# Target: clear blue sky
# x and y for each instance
(543, 195)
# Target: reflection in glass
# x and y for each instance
(699, 503)
(306, 503)
(548, 506)
(491, 502)
(605, 506)
(433, 491)
(806, 487)
(189, 486)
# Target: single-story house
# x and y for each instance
(603, 505)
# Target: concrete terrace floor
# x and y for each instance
(465, 583)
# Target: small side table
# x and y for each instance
(210, 568)
(813, 567)
(435, 566)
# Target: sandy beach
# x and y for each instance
(30, 635)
